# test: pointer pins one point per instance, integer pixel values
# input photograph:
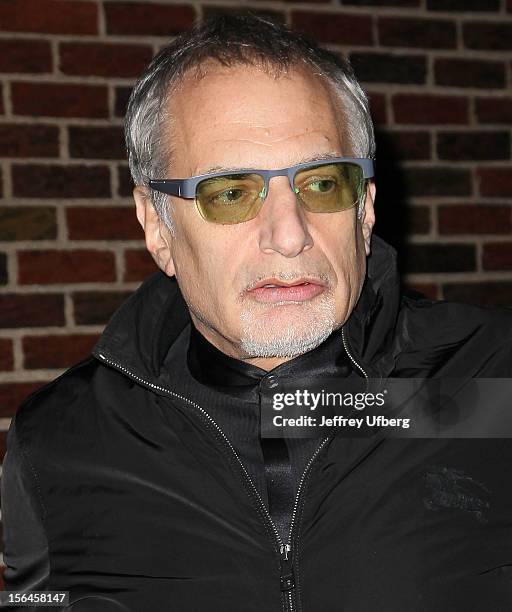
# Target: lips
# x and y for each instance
(272, 290)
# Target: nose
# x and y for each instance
(283, 223)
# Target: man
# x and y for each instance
(140, 479)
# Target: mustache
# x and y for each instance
(289, 276)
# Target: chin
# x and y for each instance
(286, 330)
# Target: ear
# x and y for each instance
(158, 237)
(368, 217)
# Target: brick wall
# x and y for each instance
(439, 76)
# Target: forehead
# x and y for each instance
(244, 113)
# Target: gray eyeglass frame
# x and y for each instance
(186, 188)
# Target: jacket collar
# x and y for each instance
(371, 330)
(141, 332)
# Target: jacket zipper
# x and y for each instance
(287, 579)
(350, 354)
(287, 575)
(313, 457)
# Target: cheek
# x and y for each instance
(188, 260)
(348, 258)
(342, 246)
(203, 263)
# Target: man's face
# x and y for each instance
(240, 117)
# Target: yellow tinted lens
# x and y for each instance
(331, 187)
(230, 198)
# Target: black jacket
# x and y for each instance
(122, 490)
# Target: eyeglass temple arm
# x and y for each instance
(169, 186)
(368, 167)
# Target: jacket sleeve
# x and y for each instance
(26, 554)
(26, 551)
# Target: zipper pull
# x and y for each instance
(287, 577)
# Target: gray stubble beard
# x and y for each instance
(264, 337)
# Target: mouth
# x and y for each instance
(272, 290)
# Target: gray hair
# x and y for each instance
(231, 40)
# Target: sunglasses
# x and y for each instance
(321, 186)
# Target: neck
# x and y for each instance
(267, 363)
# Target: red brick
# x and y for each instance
(4, 273)
(3, 450)
(148, 18)
(495, 182)
(474, 219)
(497, 256)
(430, 109)
(138, 265)
(25, 56)
(60, 100)
(429, 290)
(297, 1)
(469, 73)
(103, 223)
(390, 68)
(437, 181)
(401, 3)
(122, 94)
(490, 293)
(492, 35)
(417, 219)
(96, 307)
(432, 258)
(42, 352)
(49, 16)
(104, 59)
(55, 267)
(410, 145)
(97, 142)
(6, 354)
(125, 182)
(28, 223)
(56, 181)
(12, 395)
(3, 269)
(31, 310)
(378, 108)
(240, 9)
(494, 110)
(335, 28)
(18, 140)
(463, 5)
(423, 33)
(470, 145)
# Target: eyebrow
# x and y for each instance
(302, 160)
